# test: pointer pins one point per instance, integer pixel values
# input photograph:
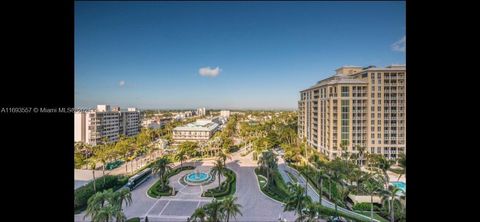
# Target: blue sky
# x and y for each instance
(149, 54)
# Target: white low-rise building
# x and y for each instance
(198, 131)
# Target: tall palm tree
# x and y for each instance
(224, 155)
(218, 169)
(297, 201)
(230, 208)
(107, 205)
(92, 164)
(361, 154)
(161, 168)
(268, 162)
(384, 165)
(122, 196)
(199, 214)
(213, 211)
(390, 195)
(103, 154)
(402, 162)
(321, 176)
(181, 156)
(372, 187)
(336, 178)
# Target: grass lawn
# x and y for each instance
(262, 180)
(276, 189)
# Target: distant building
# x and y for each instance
(198, 131)
(225, 113)
(94, 126)
(201, 112)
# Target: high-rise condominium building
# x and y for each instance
(357, 107)
(93, 126)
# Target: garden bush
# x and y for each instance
(362, 207)
(227, 187)
(156, 189)
(83, 193)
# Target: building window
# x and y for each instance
(345, 119)
(345, 91)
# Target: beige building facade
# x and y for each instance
(105, 123)
(358, 106)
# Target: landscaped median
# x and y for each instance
(276, 189)
(227, 187)
(156, 190)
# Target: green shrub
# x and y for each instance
(227, 187)
(156, 189)
(276, 189)
(83, 193)
(135, 219)
(362, 206)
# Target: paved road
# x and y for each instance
(256, 206)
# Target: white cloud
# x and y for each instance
(121, 83)
(209, 72)
(400, 45)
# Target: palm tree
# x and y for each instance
(92, 164)
(402, 162)
(214, 214)
(230, 208)
(336, 179)
(224, 155)
(372, 187)
(106, 205)
(161, 168)
(103, 154)
(297, 201)
(384, 166)
(361, 154)
(198, 215)
(121, 196)
(268, 161)
(390, 195)
(180, 155)
(321, 176)
(218, 169)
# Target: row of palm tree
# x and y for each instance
(345, 176)
(217, 211)
(107, 205)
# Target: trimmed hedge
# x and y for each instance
(155, 191)
(134, 219)
(363, 207)
(227, 187)
(82, 194)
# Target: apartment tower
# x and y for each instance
(358, 107)
(105, 123)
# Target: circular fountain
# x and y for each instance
(197, 178)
